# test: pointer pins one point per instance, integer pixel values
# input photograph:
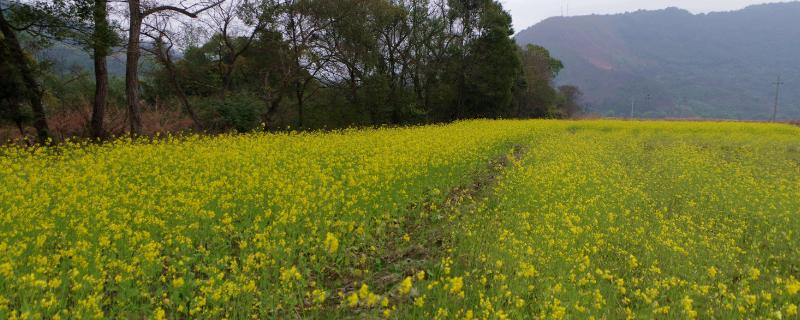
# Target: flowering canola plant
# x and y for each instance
(234, 226)
(587, 219)
(626, 220)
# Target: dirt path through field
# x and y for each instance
(429, 224)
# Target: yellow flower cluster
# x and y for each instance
(594, 220)
(626, 220)
(331, 243)
(234, 226)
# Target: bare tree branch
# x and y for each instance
(184, 11)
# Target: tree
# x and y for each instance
(351, 47)
(303, 26)
(163, 36)
(102, 39)
(346, 62)
(569, 105)
(10, 87)
(430, 46)
(492, 65)
(535, 96)
(269, 70)
(32, 88)
(481, 65)
(237, 24)
(137, 12)
(80, 22)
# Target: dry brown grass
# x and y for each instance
(74, 122)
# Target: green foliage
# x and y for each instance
(491, 67)
(568, 105)
(70, 21)
(241, 112)
(377, 62)
(68, 91)
(322, 64)
(535, 95)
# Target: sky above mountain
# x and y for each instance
(529, 12)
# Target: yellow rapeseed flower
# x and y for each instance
(712, 272)
(177, 282)
(159, 314)
(419, 301)
(291, 274)
(363, 292)
(791, 309)
(594, 218)
(457, 286)
(319, 296)
(405, 286)
(792, 286)
(754, 273)
(331, 243)
(352, 300)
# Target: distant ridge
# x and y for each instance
(66, 58)
(672, 63)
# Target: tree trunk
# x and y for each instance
(227, 74)
(392, 100)
(132, 67)
(165, 58)
(100, 96)
(34, 91)
(299, 94)
(185, 102)
(100, 69)
(268, 117)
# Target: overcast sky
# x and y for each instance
(528, 12)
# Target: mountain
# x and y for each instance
(65, 58)
(672, 63)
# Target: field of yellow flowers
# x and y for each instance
(471, 220)
(613, 220)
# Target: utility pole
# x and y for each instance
(633, 103)
(778, 85)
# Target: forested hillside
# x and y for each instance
(672, 63)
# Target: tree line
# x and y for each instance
(238, 64)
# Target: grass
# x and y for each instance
(477, 219)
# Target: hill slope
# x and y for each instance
(672, 63)
(66, 57)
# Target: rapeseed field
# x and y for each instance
(627, 220)
(472, 220)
